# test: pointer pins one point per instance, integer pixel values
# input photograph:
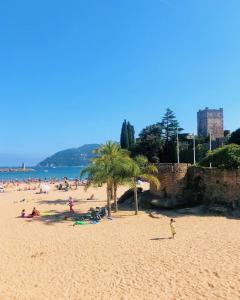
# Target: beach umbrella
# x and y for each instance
(45, 188)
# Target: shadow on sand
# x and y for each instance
(161, 238)
(65, 201)
(199, 211)
(52, 216)
(55, 202)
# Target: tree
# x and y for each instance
(186, 148)
(201, 151)
(124, 139)
(131, 134)
(127, 138)
(110, 167)
(150, 143)
(139, 168)
(226, 157)
(170, 126)
(235, 137)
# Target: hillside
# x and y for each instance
(70, 157)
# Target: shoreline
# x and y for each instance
(39, 173)
(17, 170)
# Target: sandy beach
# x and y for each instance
(130, 257)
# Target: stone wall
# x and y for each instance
(213, 185)
(172, 179)
(183, 184)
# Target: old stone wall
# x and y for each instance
(172, 179)
(213, 185)
(183, 184)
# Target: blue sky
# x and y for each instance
(71, 71)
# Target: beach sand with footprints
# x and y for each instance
(129, 257)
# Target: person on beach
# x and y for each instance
(23, 213)
(67, 186)
(35, 213)
(70, 204)
(173, 229)
(76, 184)
(91, 197)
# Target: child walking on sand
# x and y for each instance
(70, 203)
(173, 229)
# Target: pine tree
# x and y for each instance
(124, 139)
(170, 127)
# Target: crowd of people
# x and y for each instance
(41, 186)
(93, 214)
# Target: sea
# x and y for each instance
(43, 173)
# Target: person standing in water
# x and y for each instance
(173, 229)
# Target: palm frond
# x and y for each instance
(152, 169)
(151, 179)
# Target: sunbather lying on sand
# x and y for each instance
(35, 213)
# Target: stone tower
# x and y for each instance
(210, 120)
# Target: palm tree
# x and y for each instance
(141, 169)
(108, 167)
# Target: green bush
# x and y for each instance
(226, 157)
(235, 137)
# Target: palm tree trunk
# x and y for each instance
(109, 201)
(115, 197)
(111, 193)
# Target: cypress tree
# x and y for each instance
(124, 139)
(130, 134)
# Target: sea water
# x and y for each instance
(43, 173)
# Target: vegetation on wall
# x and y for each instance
(226, 157)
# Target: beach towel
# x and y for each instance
(79, 223)
(94, 222)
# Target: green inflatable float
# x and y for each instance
(79, 223)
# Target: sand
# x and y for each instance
(130, 257)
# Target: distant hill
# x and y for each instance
(70, 157)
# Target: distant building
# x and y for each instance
(210, 121)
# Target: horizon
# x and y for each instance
(71, 73)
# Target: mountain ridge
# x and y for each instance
(70, 157)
